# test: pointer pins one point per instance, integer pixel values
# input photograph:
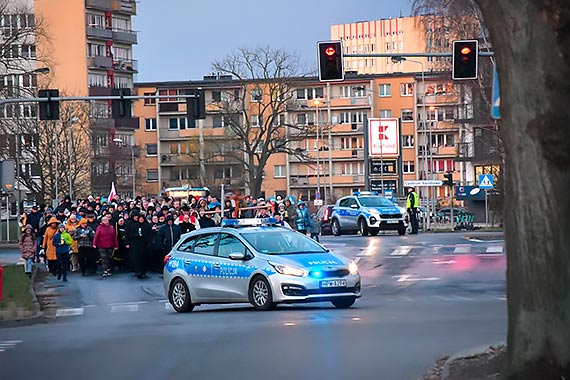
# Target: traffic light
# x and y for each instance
(196, 106)
(121, 108)
(330, 61)
(49, 110)
(465, 57)
(7, 175)
(448, 179)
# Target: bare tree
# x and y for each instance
(255, 116)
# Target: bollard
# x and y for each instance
(1, 279)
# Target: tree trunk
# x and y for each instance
(531, 40)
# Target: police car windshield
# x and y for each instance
(375, 202)
(282, 243)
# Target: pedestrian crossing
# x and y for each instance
(453, 249)
(8, 344)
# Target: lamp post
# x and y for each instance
(317, 103)
(396, 59)
(120, 142)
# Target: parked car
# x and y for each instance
(444, 214)
(324, 215)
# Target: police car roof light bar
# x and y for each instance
(249, 222)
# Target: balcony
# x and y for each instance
(168, 107)
(124, 36)
(128, 7)
(96, 32)
(129, 123)
(126, 65)
(478, 152)
(99, 62)
(100, 91)
(104, 5)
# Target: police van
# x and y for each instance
(368, 214)
(256, 261)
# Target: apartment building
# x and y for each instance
(87, 45)
(331, 159)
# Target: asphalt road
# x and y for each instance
(424, 297)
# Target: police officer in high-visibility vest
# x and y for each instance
(412, 204)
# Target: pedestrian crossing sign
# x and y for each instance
(486, 181)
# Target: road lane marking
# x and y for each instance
(407, 278)
(356, 259)
(401, 251)
(168, 307)
(128, 303)
(124, 308)
(462, 248)
(495, 249)
(71, 312)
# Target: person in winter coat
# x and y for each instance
(71, 225)
(315, 228)
(47, 245)
(106, 242)
(186, 225)
(290, 214)
(84, 235)
(228, 209)
(62, 242)
(167, 236)
(27, 245)
(303, 219)
(138, 240)
(34, 219)
(121, 256)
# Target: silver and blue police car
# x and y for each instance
(256, 261)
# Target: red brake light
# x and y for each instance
(166, 258)
(330, 51)
(326, 215)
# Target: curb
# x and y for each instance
(473, 371)
(39, 317)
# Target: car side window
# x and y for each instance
(352, 202)
(230, 244)
(187, 245)
(206, 244)
(344, 203)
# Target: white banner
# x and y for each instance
(383, 137)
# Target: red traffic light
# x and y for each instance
(465, 50)
(330, 51)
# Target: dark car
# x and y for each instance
(324, 214)
(444, 214)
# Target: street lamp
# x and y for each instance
(428, 165)
(120, 142)
(316, 104)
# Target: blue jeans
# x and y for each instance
(28, 265)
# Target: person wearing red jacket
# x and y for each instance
(106, 242)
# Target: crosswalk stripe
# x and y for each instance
(462, 248)
(124, 308)
(401, 251)
(69, 312)
(495, 249)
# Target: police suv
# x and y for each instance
(256, 261)
(367, 214)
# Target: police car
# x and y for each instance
(367, 214)
(256, 261)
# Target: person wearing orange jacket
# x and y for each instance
(47, 245)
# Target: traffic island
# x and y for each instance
(19, 305)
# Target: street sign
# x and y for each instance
(389, 194)
(389, 167)
(318, 202)
(495, 114)
(486, 181)
(424, 182)
(383, 137)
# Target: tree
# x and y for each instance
(531, 41)
(256, 115)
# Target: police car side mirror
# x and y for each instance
(237, 256)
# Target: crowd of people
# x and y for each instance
(98, 235)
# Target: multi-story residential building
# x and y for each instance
(87, 47)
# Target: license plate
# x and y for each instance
(333, 284)
(392, 221)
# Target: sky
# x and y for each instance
(179, 39)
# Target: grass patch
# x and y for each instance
(16, 300)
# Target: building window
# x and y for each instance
(409, 167)
(175, 123)
(407, 115)
(385, 114)
(256, 95)
(301, 119)
(216, 96)
(171, 92)
(279, 171)
(406, 89)
(256, 120)
(151, 150)
(150, 124)
(407, 141)
(352, 168)
(151, 175)
(149, 101)
(97, 80)
(385, 89)
(218, 121)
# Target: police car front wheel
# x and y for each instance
(343, 303)
(260, 294)
(179, 296)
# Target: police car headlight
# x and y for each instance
(288, 270)
(353, 268)
(373, 211)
